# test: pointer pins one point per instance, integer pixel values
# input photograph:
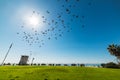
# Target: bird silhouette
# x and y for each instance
(55, 26)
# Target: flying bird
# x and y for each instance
(56, 26)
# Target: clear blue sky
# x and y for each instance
(101, 20)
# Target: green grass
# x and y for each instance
(57, 73)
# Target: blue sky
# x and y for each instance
(81, 45)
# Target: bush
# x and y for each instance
(58, 64)
(38, 64)
(82, 65)
(43, 64)
(73, 64)
(65, 64)
(8, 64)
(103, 65)
(34, 64)
(110, 65)
(50, 64)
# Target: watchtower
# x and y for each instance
(23, 60)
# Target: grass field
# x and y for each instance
(57, 73)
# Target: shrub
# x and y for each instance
(103, 65)
(58, 64)
(73, 64)
(82, 65)
(8, 63)
(111, 65)
(43, 64)
(38, 64)
(65, 64)
(34, 64)
(50, 64)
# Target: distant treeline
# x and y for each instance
(103, 65)
(44, 64)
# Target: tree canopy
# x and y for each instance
(115, 51)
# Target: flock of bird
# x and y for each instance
(56, 26)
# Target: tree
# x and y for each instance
(115, 51)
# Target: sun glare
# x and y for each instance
(34, 20)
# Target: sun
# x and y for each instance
(33, 20)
